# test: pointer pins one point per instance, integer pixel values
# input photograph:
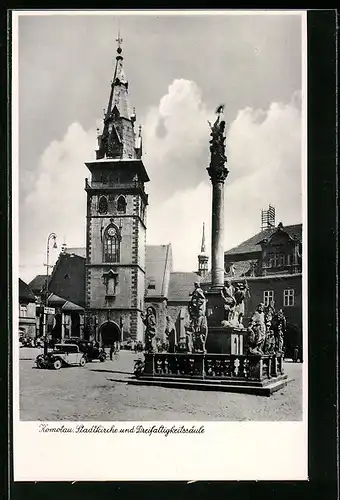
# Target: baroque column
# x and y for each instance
(218, 173)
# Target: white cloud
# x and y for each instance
(56, 202)
(263, 148)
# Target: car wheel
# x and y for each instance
(57, 364)
(102, 359)
(82, 361)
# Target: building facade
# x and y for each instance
(27, 310)
(271, 264)
(116, 221)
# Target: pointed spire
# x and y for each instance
(203, 257)
(118, 137)
(203, 240)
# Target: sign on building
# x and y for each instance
(49, 310)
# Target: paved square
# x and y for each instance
(99, 392)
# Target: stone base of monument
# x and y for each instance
(252, 374)
(226, 340)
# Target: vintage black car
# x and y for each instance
(89, 349)
(62, 355)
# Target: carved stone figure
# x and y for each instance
(198, 321)
(269, 346)
(269, 314)
(170, 334)
(149, 320)
(227, 293)
(200, 334)
(217, 143)
(257, 331)
(239, 296)
(188, 338)
(279, 327)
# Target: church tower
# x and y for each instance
(203, 258)
(116, 221)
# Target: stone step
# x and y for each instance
(226, 386)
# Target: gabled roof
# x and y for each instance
(181, 285)
(240, 268)
(70, 306)
(158, 266)
(68, 278)
(55, 300)
(252, 245)
(25, 292)
(38, 283)
(80, 251)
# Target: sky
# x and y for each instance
(179, 68)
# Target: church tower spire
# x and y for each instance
(116, 221)
(203, 257)
(118, 138)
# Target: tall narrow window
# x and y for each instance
(268, 296)
(288, 297)
(121, 205)
(111, 245)
(103, 205)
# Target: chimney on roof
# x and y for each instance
(268, 218)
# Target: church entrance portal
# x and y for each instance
(109, 333)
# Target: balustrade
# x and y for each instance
(213, 366)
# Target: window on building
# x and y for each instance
(121, 205)
(282, 259)
(111, 245)
(268, 296)
(23, 311)
(288, 297)
(103, 205)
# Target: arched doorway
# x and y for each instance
(109, 333)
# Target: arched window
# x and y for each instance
(111, 245)
(121, 204)
(103, 205)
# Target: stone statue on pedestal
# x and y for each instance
(217, 142)
(279, 327)
(149, 320)
(257, 331)
(228, 295)
(170, 334)
(239, 296)
(198, 321)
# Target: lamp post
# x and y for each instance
(51, 236)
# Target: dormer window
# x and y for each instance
(121, 204)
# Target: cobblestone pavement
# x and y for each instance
(99, 392)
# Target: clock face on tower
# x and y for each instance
(111, 231)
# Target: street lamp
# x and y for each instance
(51, 236)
